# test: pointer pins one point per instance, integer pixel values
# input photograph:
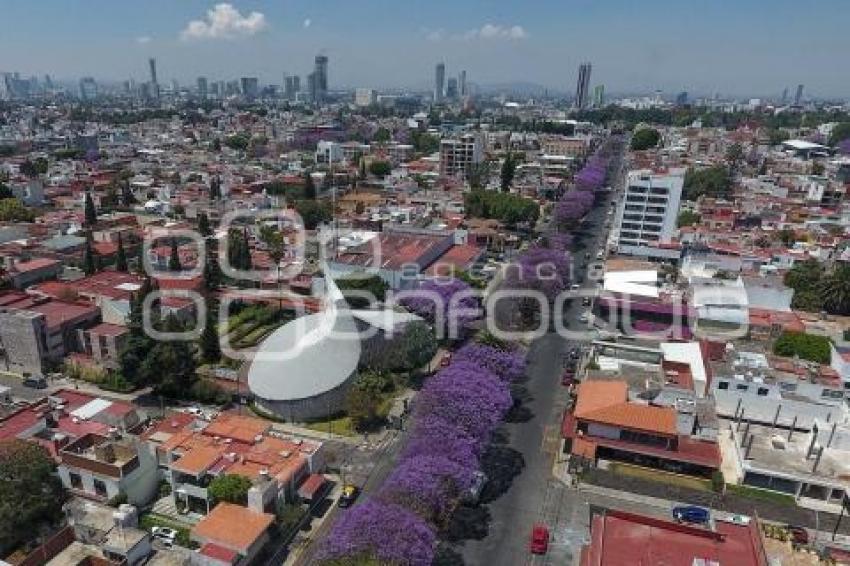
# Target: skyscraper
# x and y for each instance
(291, 86)
(463, 91)
(88, 89)
(311, 87)
(154, 84)
(583, 86)
(451, 89)
(202, 87)
(250, 87)
(785, 95)
(321, 78)
(798, 98)
(439, 82)
(599, 96)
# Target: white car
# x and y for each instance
(164, 534)
(194, 411)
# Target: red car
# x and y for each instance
(539, 539)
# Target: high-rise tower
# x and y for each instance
(583, 86)
(440, 82)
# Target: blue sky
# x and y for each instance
(738, 47)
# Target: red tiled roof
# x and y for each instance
(219, 553)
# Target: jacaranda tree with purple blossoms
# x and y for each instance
(428, 485)
(509, 365)
(447, 303)
(380, 531)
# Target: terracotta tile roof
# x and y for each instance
(198, 460)
(219, 553)
(607, 402)
(232, 526)
(238, 428)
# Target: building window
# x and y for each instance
(100, 488)
(763, 391)
(724, 385)
(742, 387)
(76, 480)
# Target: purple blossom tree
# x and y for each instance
(509, 365)
(429, 485)
(445, 303)
(844, 147)
(469, 396)
(379, 531)
(541, 269)
(434, 435)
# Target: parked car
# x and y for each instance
(165, 535)
(799, 535)
(539, 539)
(691, 514)
(445, 360)
(569, 378)
(35, 382)
(348, 496)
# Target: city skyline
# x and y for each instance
(496, 42)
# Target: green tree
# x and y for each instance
(506, 207)
(120, 256)
(30, 493)
(174, 258)
(12, 210)
(688, 218)
(212, 271)
(127, 198)
(371, 285)
(380, 168)
(710, 181)
(204, 228)
(805, 346)
(835, 290)
(313, 213)
(169, 367)
(91, 262)
(5, 191)
(478, 174)
(27, 168)
(382, 136)
(363, 408)
(734, 156)
(90, 211)
(276, 247)
(645, 138)
(230, 488)
(805, 278)
(215, 188)
(209, 345)
(840, 132)
(309, 187)
(508, 172)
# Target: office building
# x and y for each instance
(464, 89)
(785, 95)
(88, 89)
(202, 87)
(583, 86)
(457, 156)
(365, 97)
(599, 96)
(682, 98)
(451, 89)
(250, 87)
(798, 98)
(311, 87)
(154, 88)
(291, 86)
(648, 213)
(439, 82)
(321, 79)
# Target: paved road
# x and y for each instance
(535, 495)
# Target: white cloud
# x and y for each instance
(307, 23)
(224, 22)
(494, 31)
(143, 39)
(435, 35)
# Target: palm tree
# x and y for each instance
(835, 290)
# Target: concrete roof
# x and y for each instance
(308, 356)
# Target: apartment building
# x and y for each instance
(458, 155)
(647, 216)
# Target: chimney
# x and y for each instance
(791, 430)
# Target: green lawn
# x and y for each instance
(340, 425)
(660, 476)
(760, 494)
(149, 520)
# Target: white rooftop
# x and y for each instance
(91, 408)
(691, 354)
(643, 283)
